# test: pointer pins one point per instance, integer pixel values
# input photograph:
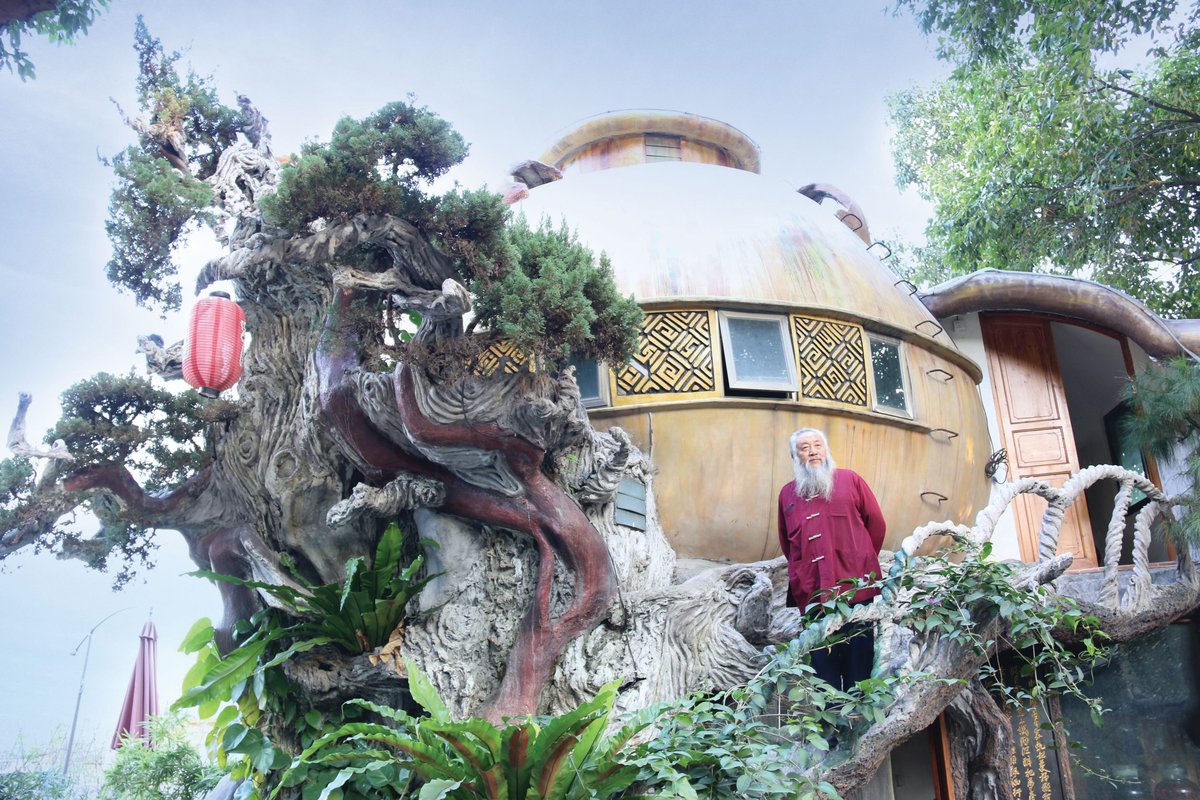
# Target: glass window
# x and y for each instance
(1150, 741)
(758, 352)
(593, 386)
(660, 147)
(889, 376)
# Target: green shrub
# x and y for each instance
(49, 784)
(170, 770)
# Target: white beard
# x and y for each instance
(814, 481)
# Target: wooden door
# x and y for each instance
(1031, 409)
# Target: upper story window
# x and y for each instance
(758, 352)
(660, 147)
(889, 376)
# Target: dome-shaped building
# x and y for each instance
(764, 314)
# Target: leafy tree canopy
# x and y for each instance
(60, 21)
(971, 33)
(370, 166)
(1037, 158)
(110, 421)
(160, 189)
(139, 452)
(1167, 399)
(556, 301)
(125, 419)
(538, 288)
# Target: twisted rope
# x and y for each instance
(1059, 500)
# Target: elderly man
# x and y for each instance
(831, 531)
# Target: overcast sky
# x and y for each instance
(807, 80)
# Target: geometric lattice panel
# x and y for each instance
(502, 357)
(674, 356)
(833, 362)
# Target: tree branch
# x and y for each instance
(168, 138)
(1186, 113)
(451, 301)
(23, 10)
(20, 446)
(168, 510)
(409, 249)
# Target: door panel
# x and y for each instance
(1031, 409)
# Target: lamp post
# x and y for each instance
(79, 697)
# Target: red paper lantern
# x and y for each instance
(212, 357)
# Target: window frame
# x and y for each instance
(602, 380)
(656, 145)
(783, 325)
(906, 383)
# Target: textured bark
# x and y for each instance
(328, 678)
(979, 737)
(539, 508)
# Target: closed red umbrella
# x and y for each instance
(141, 700)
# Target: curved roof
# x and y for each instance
(997, 290)
(615, 124)
(683, 231)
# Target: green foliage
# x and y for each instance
(16, 491)
(471, 227)
(187, 105)
(770, 738)
(49, 784)
(111, 420)
(1167, 424)
(540, 288)
(240, 698)
(975, 32)
(371, 166)
(556, 301)
(358, 614)
(731, 744)
(151, 207)
(246, 694)
(743, 742)
(958, 602)
(1038, 159)
(125, 419)
(155, 201)
(65, 20)
(561, 758)
(37, 771)
(170, 770)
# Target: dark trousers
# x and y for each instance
(849, 661)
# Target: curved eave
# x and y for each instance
(1075, 298)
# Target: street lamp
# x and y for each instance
(82, 675)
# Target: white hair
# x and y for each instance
(812, 481)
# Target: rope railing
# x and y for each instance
(1059, 500)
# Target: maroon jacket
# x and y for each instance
(828, 540)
